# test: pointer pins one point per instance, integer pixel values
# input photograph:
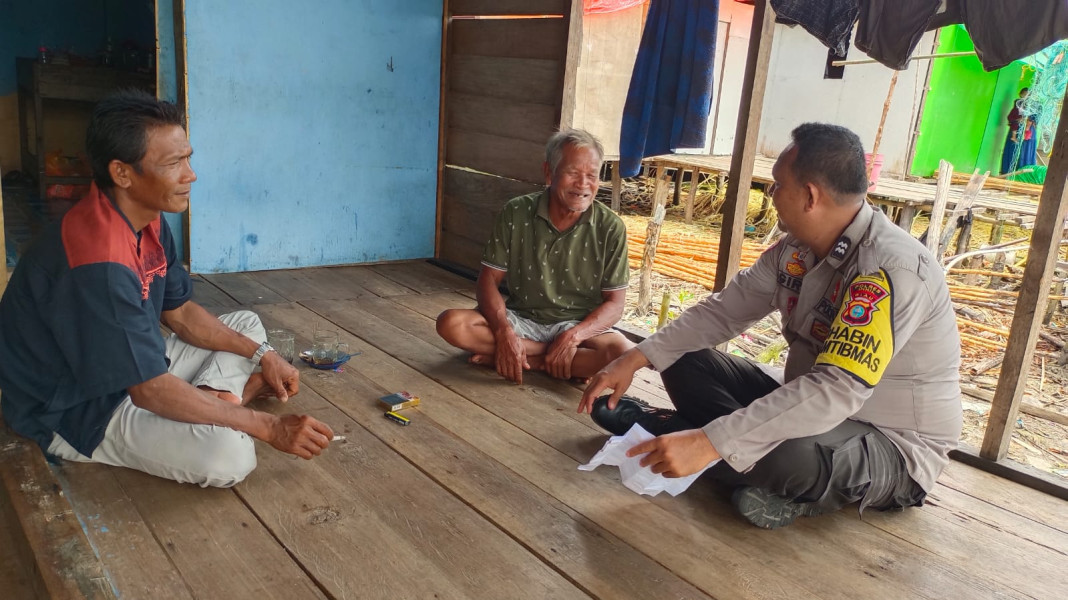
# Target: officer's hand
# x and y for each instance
(676, 454)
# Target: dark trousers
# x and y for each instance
(854, 461)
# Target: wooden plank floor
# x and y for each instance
(480, 496)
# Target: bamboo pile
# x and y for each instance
(1005, 185)
(686, 258)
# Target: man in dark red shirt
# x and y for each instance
(84, 370)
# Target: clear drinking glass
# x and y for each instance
(324, 347)
(283, 343)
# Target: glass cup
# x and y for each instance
(282, 342)
(324, 347)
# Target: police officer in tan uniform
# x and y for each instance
(868, 406)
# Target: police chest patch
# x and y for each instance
(861, 338)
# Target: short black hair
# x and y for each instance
(830, 155)
(118, 130)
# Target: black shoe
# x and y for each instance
(629, 411)
(764, 509)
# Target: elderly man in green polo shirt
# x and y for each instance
(564, 258)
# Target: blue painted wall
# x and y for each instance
(167, 89)
(314, 127)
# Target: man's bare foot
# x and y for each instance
(485, 360)
(256, 387)
(223, 395)
(537, 363)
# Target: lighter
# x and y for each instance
(392, 416)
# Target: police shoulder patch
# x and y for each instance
(861, 338)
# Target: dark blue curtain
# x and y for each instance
(670, 91)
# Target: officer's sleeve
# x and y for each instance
(879, 313)
(719, 317)
(109, 339)
(495, 254)
(616, 270)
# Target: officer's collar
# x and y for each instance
(847, 243)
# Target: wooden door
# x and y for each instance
(507, 86)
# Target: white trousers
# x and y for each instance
(207, 455)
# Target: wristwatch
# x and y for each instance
(263, 349)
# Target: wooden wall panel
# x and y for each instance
(466, 184)
(503, 98)
(466, 220)
(507, 7)
(461, 251)
(510, 38)
(522, 79)
(507, 118)
(507, 157)
(472, 201)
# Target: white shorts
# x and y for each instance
(207, 455)
(538, 332)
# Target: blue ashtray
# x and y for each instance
(306, 357)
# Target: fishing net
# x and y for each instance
(1047, 91)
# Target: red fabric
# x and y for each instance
(95, 232)
(592, 7)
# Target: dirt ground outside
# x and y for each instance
(983, 297)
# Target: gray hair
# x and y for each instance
(579, 138)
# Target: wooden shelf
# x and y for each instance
(41, 84)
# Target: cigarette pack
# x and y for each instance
(398, 401)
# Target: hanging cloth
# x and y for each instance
(670, 93)
(830, 21)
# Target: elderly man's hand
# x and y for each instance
(676, 454)
(561, 353)
(510, 357)
(283, 377)
(301, 435)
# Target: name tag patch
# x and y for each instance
(826, 309)
(861, 337)
(789, 282)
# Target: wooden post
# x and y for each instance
(746, 137)
(659, 187)
(882, 122)
(996, 233)
(938, 210)
(617, 186)
(965, 236)
(692, 196)
(1034, 288)
(679, 172)
(905, 215)
(569, 100)
(652, 236)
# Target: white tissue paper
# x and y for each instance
(637, 478)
